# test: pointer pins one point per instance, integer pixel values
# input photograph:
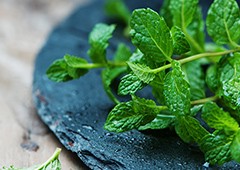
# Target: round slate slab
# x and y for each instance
(76, 111)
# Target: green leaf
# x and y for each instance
(60, 71)
(52, 163)
(122, 54)
(218, 119)
(151, 35)
(196, 29)
(162, 121)
(183, 12)
(75, 62)
(189, 129)
(195, 109)
(108, 75)
(229, 77)
(136, 57)
(130, 115)
(129, 84)
(212, 78)
(180, 43)
(118, 9)
(98, 40)
(235, 147)
(195, 77)
(143, 72)
(216, 148)
(223, 22)
(176, 91)
(166, 13)
(157, 87)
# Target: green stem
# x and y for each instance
(195, 57)
(101, 65)
(193, 42)
(205, 100)
(51, 159)
(195, 102)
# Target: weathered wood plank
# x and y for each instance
(24, 139)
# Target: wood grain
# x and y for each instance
(24, 26)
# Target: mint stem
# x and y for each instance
(195, 57)
(205, 100)
(51, 159)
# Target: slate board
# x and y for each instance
(76, 111)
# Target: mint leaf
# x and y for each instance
(195, 109)
(229, 77)
(117, 9)
(108, 75)
(183, 12)
(157, 87)
(98, 39)
(212, 78)
(235, 147)
(166, 13)
(60, 71)
(143, 72)
(162, 121)
(218, 119)
(216, 147)
(189, 129)
(223, 22)
(180, 43)
(75, 62)
(52, 163)
(122, 54)
(195, 77)
(130, 84)
(196, 29)
(151, 35)
(176, 91)
(130, 115)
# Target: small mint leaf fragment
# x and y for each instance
(98, 40)
(151, 35)
(223, 22)
(180, 43)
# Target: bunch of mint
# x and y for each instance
(169, 57)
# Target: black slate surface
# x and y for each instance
(76, 111)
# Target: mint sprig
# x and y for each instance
(52, 163)
(169, 57)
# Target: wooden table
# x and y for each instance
(24, 26)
